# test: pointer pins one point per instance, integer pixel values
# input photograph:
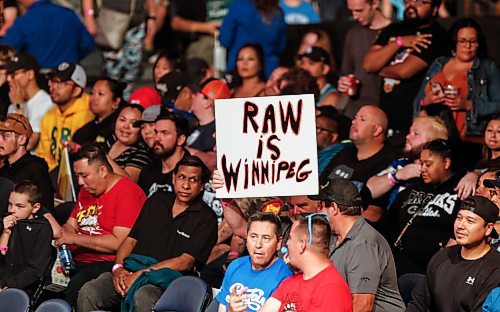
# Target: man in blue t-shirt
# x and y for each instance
(261, 271)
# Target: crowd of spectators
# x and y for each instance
(408, 145)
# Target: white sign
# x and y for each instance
(266, 146)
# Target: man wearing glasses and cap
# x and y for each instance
(459, 278)
(361, 255)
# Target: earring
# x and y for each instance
(453, 52)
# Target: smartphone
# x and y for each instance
(437, 89)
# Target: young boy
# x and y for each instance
(25, 243)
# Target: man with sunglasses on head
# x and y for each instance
(318, 286)
(67, 84)
(360, 254)
(400, 55)
(459, 278)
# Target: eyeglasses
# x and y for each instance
(309, 223)
(58, 82)
(418, 2)
(319, 129)
(465, 42)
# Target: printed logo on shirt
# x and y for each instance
(342, 172)
(87, 219)
(193, 137)
(183, 234)
(399, 58)
(159, 187)
(434, 204)
(255, 299)
(470, 280)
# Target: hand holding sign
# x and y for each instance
(266, 146)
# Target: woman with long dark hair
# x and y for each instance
(249, 79)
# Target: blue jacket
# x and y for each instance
(244, 24)
(483, 81)
(51, 33)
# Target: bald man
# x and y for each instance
(367, 156)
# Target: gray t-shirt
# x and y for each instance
(358, 41)
(365, 260)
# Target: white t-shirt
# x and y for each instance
(35, 108)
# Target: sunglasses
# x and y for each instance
(309, 223)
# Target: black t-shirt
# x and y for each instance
(35, 169)
(397, 96)
(162, 237)
(439, 205)
(202, 138)
(4, 99)
(94, 131)
(152, 179)
(455, 284)
(346, 165)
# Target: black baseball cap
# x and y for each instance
(171, 84)
(70, 71)
(316, 54)
(340, 191)
(484, 208)
(21, 61)
(490, 183)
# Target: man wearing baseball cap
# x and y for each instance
(67, 84)
(360, 253)
(459, 278)
(19, 164)
(201, 142)
(176, 93)
(317, 62)
(26, 96)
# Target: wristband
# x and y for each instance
(233, 254)
(116, 267)
(4, 248)
(392, 178)
(399, 41)
(89, 12)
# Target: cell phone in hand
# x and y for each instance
(437, 89)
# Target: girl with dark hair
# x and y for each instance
(105, 99)
(467, 83)
(259, 21)
(164, 64)
(427, 209)
(249, 79)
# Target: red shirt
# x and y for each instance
(119, 206)
(326, 291)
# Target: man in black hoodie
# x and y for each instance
(19, 164)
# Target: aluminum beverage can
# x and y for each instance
(353, 85)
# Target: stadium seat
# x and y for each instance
(406, 283)
(54, 305)
(213, 307)
(14, 300)
(185, 294)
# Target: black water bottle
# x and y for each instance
(66, 258)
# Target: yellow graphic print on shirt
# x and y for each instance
(87, 219)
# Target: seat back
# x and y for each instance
(45, 279)
(213, 307)
(185, 294)
(406, 283)
(54, 305)
(14, 300)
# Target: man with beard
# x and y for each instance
(400, 55)
(170, 137)
(367, 156)
(72, 112)
(402, 172)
